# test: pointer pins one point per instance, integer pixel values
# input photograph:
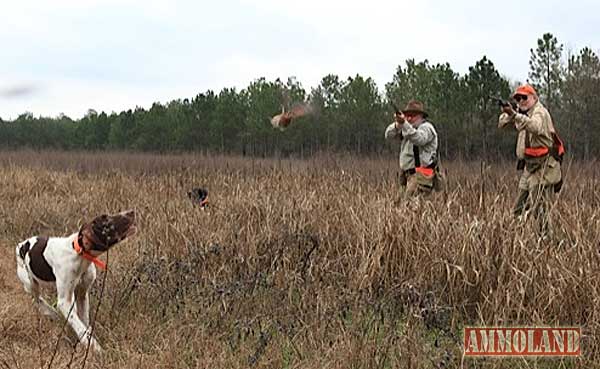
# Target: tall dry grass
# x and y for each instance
(298, 264)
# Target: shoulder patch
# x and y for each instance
(38, 264)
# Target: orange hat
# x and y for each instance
(525, 90)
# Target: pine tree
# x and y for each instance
(546, 70)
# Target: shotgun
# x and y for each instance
(502, 103)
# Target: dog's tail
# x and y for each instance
(22, 250)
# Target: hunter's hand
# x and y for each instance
(508, 110)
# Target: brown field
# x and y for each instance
(298, 264)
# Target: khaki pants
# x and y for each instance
(540, 200)
(521, 204)
(411, 185)
(536, 198)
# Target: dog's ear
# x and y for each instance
(88, 237)
(84, 229)
(93, 232)
(202, 193)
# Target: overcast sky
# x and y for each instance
(68, 56)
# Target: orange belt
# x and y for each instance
(536, 152)
(428, 172)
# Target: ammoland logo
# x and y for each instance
(522, 341)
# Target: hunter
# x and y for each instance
(418, 149)
(539, 153)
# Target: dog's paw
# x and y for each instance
(88, 339)
(53, 315)
(94, 346)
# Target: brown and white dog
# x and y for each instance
(67, 264)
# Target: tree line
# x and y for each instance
(350, 115)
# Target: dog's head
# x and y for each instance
(199, 196)
(107, 230)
